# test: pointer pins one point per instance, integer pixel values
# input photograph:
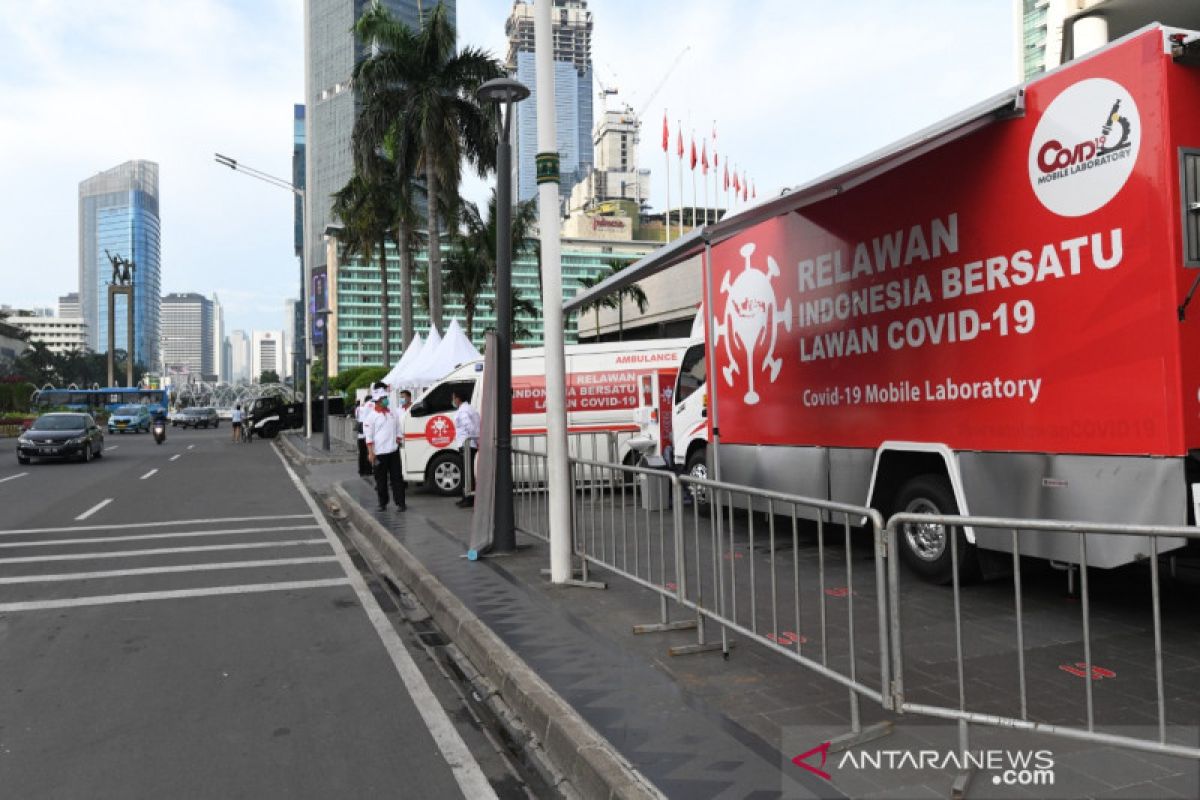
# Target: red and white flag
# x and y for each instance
(693, 152)
(737, 186)
(679, 141)
(666, 139)
(753, 192)
(726, 186)
(745, 189)
(716, 161)
(704, 157)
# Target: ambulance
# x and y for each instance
(992, 317)
(610, 387)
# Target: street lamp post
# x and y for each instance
(234, 165)
(505, 93)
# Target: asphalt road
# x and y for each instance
(175, 621)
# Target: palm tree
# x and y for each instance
(632, 293)
(366, 209)
(473, 262)
(418, 98)
(522, 309)
(607, 301)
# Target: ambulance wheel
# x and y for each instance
(697, 467)
(925, 547)
(445, 476)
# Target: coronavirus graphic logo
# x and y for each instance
(439, 431)
(752, 317)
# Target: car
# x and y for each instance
(130, 418)
(197, 417)
(61, 435)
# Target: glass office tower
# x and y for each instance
(118, 215)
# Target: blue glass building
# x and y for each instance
(118, 213)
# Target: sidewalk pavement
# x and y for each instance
(696, 726)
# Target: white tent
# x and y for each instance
(411, 353)
(408, 378)
(455, 349)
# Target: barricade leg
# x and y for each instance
(665, 622)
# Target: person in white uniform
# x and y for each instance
(466, 428)
(382, 433)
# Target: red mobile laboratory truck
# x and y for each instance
(990, 317)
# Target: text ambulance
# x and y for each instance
(610, 387)
(990, 317)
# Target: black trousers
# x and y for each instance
(387, 470)
(364, 463)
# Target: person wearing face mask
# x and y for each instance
(382, 433)
(466, 427)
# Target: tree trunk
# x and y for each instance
(469, 316)
(384, 305)
(620, 318)
(406, 296)
(435, 247)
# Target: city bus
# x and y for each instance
(96, 399)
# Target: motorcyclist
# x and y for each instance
(158, 423)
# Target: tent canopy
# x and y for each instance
(454, 349)
(411, 353)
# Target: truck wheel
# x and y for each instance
(925, 547)
(445, 475)
(697, 467)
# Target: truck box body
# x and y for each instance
(602, 399)
(1004, 302)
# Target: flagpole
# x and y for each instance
(679, 134)
(667, 183)
(704, 180)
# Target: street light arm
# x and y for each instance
(233, 164)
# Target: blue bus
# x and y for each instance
(95, 399)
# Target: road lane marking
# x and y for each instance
(95, 508)
(190, 446)
(159, 551)
(147, 475)
(14, 477)
(168, 523)
(172, 458)
(140, 537)
(462, 763)
(112, 447)
(176, 594)
(124, 573)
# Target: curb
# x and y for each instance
(293, 452)
(584, 757)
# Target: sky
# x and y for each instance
(795, 89)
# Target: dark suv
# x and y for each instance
(200, 417)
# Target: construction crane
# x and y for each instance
(637, 137)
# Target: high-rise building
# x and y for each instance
(187, 335)
(331, 107)
(239, 356)
(572, 24)
(289, 337)
(220, 356)
(68, 305)
(615, 175)
(266, 353)
(119, 215)
(1050, 32)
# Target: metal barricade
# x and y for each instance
(341, 429)
(1017, 714)
(531, 500)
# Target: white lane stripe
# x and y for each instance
(167, 523)
(111, 446)
(123, 573)
(14, 477)
(190, 446)
(147, 475)
(462, 764)
(95, 508)
(139, 537)
(172, 458)
(142, 597)
(159, 551)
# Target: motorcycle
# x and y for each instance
(160, 431)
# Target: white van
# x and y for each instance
(610, 387)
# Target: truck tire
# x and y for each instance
(925, 548)
(444, 474)
(697, 467)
